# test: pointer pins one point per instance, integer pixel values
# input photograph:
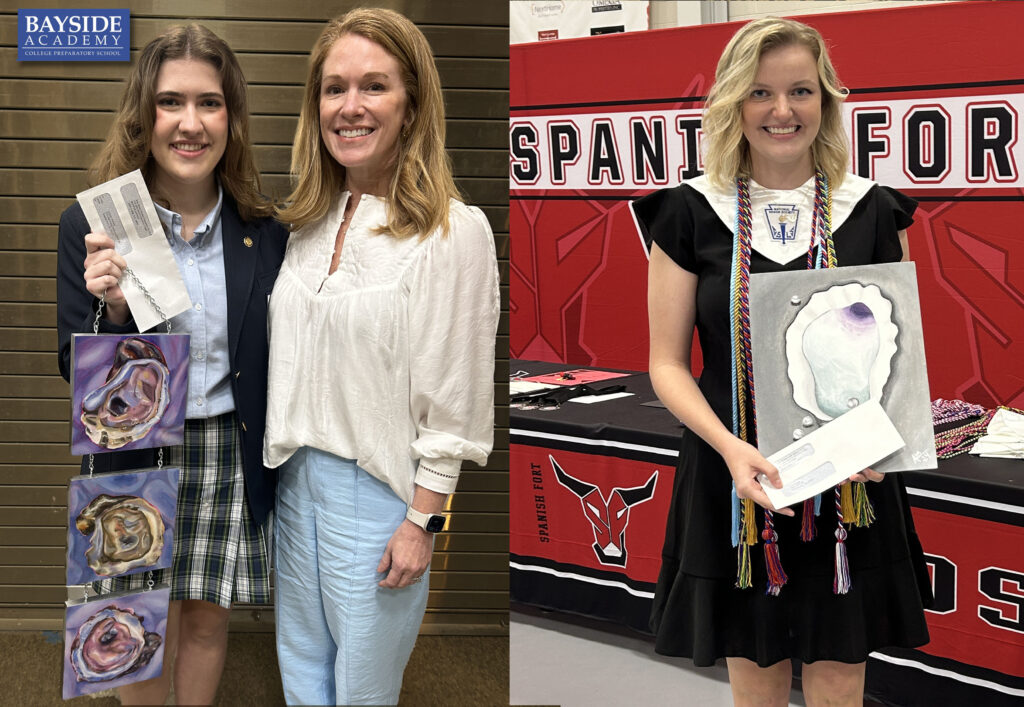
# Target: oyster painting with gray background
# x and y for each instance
(113, 641)
(824, 341)
(127, 392)
(120, 523)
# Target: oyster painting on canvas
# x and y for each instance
(125, 532)
(128, 392)
(133, 398)
(826, 341)
(120, 523)
(114, 641)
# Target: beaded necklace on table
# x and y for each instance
(958, 440)
(945, 411)
(962, 438)
(851, 501)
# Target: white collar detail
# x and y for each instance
(778, 248)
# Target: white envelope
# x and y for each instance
(123, 209)
(832, 453)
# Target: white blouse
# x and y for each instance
(390, 359)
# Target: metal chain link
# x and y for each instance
(99, 313)
(149, 298)
(149, 580)
(142, 288)
(96, 330)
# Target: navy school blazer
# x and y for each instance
(249, 273)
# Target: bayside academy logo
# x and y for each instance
(610, 517)
(73, 35)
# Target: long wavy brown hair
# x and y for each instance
(422, 184)
(127, 146)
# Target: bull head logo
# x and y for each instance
(608, 517)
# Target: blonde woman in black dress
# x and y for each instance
(773, 127)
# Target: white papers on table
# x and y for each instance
(1004, 436)
(587, 399)
(524, 387)
(832, 453)
(123, 209)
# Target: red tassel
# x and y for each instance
(776, 575)
(807, 529)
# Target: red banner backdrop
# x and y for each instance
(978, 580)
(936, 98)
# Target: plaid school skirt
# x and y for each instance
(220, 554)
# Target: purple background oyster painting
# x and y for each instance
(114, 641)
(111, 522)
(128, 392)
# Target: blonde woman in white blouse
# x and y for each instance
(382, 326)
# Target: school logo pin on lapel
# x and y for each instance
(248, 242)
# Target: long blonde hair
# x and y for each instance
(127, 146)
(422, 184)
(728, 152)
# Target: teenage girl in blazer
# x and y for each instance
(183, 120)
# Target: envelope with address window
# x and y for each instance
(834, 452)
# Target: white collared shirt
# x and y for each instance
(201, 264)
(390, 359)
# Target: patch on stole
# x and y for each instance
(782, 222)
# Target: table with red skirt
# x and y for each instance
(590, 492)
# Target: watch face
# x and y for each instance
(435, 524)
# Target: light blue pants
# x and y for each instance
(341, 639)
